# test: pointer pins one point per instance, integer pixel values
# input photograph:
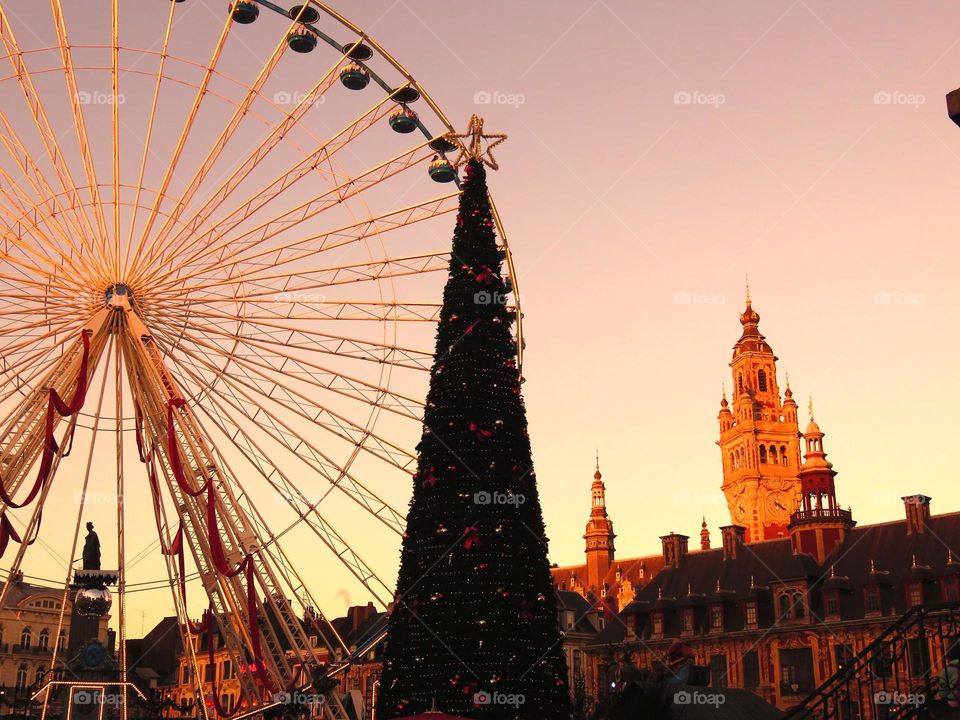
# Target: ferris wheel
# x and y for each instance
(224, 235)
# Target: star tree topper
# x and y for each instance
(475, 144)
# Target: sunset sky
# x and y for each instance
(659, 154)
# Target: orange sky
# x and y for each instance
(657, 154)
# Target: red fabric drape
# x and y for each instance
(55, 403)
(217, 552)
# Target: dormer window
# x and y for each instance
(914, 594)
(716, 617)
(751, 613)
(832, 604)
(686, 620)
(790, 605)
(871, 600)
(657, 624)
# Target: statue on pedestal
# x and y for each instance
(91, 549)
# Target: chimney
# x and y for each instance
(918, 513)
(674, 548)
(733, 536)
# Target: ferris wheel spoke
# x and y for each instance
(316, 377)
(151, 119)
(307, 512)
(316, 279)
(48, 137)
(269, 314)
(206, 165)
(239, 403)
(265, 384)
(24, 206)
(352, 130)
(80, 124)
(326, 343)
(15, 220)
(22, 158)
(289, 219)
(209, 69)
(297, 250)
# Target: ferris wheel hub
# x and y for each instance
(119, 297)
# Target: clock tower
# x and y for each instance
(759, 438)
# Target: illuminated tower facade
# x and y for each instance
(759, 438)
(599, 535)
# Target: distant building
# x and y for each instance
(796, 587)
(31, 629)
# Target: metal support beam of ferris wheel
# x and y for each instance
(153, 387)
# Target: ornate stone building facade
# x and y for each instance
(795, 588)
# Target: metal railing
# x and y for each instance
(895, 676)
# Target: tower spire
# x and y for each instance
(748, 288)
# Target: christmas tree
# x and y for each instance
(474, 627)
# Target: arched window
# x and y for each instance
(22, 676)
(740, 382)
(733, 463)
(763, 454)
(762, 380)
(773, 454)
(785, 602)
(783, 454)
(26, 637)
(43, 641)
(38, 676)
(62, 640)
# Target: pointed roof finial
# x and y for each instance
(873, 566)
(810, 407)
(747, 276)
(596, 474)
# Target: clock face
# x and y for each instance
(740, 511)
(778, 505)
